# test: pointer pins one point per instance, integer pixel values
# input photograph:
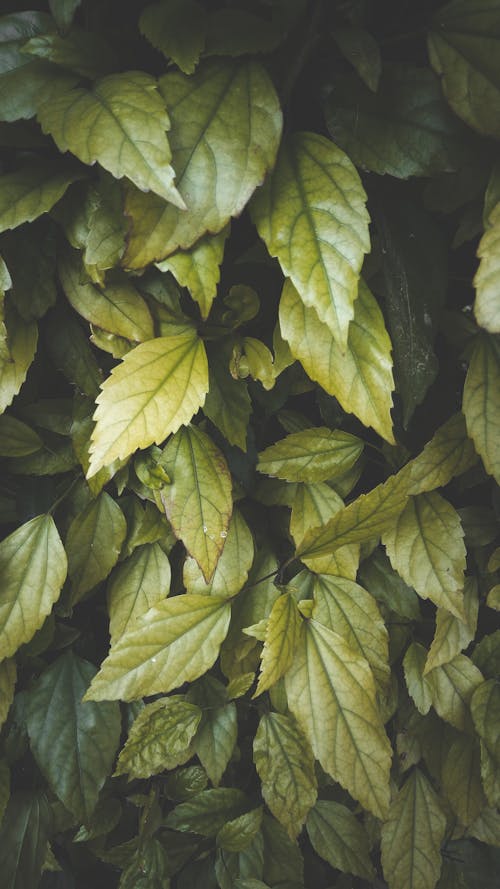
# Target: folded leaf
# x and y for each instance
(122, 124)
(175, 642)
(159, 738)
(312, 455)
(312, 216)
(331, 693)
(481, 402)
(158, 386)
(358, 376)
(33, 569)
(416, 682)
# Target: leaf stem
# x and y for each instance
(64, 494)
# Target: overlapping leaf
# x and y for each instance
(336, 835)
(32, 191)
(198, 269)
(136, 585)
(16, 357)
(481, 402)
(93, 544)
(159, 738)
(280, 641)
(313, 505)
(233, 565)
(312, 455)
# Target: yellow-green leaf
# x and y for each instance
(285, 765)
(31, 191)
(485, 709)
(33, 569)
(481, 402)
(232, 568)
(135, 586)
(490, 775)
(412, 836)
(314, 505)
(281, 638)
(216, 737)
(175, 642)
(425, 546)
(237, 834)
(198, 502)
(452, 687)
(158, 386)
(349, 610)
(93, 544)
(312, 455)
(331, 692)
(22, 338)
(159, 738)
(217, 168)
(198, 269)
(487, 279)
(122, 124)
(8, 676)
(358, 376)
(312, 216)
(338, 837)
(452, 634)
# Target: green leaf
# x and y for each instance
(486, 828)
(481, 402)
(228, 403)
(388, 588)
(198, 269)
(64, 11)
(74, 743)
(33, 568)
(358, 376)
(217, 734)
(237, 834)
(312, 455)
(70, 351)
(412, 836)
(107, 226)
(232, 568)
(117, 307)
(22, 338)
(32, 191)
(362, 51)
(135, 586)
(416, 682)
(314, 505)
(122, 124)
(30, 252)
(485, 709)
(87, 54)
(425, 546)
(452, 634)
(331, 693)
(285, 765)
(404, 128)
(282, 857)
(338, 837)
(158, 386)
(93, 544)
(461, 779)
(177, 28)
(452, 687)
(24, 835)
(208, 811)
(349, 610)
(198, 502)
(463, 49)
(235, 32)
(177, 641)
(217, 171)
(487, 277)
(8, 676)
(4, 787)
(159, 738)
(17, 439)
(311, 214)
(281, 639)
(489, 775)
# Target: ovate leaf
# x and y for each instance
(217, 170)
(158, 386)
(314, 505)
(70, 351)
(312, 455)
(416, 683)
(24, 835)
(338, 837)
(463, 49)
(17, 439)
(159, 738)
(33, 568)
(198, 269)
(22, 338)
(122, 124)
(312, 216)
(452, 687)
(360, 375)
(8, 676)
(481, 402)
(281, 639)
(426, 548)
(136, 585)
(485, 709)
(412, 836)
(331, 693)
(232, 568)
(31, 191)
(362, 51)
(74, 743)
(285, 765)
(218, 730)
(487, 279)
(93, 544)
(177, 28)
(175, 642)
(198, 502)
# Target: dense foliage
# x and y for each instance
(250, 444)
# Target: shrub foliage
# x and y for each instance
(249, 375)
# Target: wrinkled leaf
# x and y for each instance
(159, 738)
